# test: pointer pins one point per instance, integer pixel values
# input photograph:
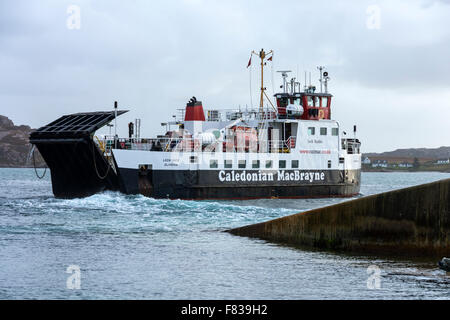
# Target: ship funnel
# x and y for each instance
(194, 111)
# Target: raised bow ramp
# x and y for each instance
(406, 222)
(78, 167)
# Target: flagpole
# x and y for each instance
(250, 74)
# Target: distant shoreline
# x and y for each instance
(446, 170)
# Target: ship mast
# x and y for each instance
(264, 57)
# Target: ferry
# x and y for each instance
(287, 147)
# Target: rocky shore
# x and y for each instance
(15, 147)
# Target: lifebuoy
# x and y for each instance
(321, 114)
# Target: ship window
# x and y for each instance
(228, 164)
(241, 164)
(311, 131)
(334, 131)
(316, 101)
(323, 131)
(297, 101)
(268, 163)
(283, 102)
(310, 101)
(193, 159)
(255, 164)
(324, 102)
(294, 164)
(329, 164)
(341, 160)
(213, 164)
(282, 164)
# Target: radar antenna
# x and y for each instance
(284, 74)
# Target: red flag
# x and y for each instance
(249, 62)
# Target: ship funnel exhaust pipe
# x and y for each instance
(194, 110)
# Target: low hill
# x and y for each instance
(14, 145)
(423, 154)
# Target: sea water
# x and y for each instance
(116, 246)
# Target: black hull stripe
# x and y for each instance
(185, 185)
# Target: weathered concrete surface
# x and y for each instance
(411, 221)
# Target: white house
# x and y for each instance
(443, 161)
(366, 160)
(405, 165)
(380, 164)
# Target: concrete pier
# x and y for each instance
(414, 221)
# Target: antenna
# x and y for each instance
(292, 86)
(299, 86)
(326, 79)
(320, 68)
(284, 74)
(305, 82)
(115, 124)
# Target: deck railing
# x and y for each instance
(351, 145)
(180, 144)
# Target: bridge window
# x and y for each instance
(298, 101)
(282, 164)
(334, 131)
(324, 102)
(213, 164)
(323, 131)
(310, 101)
(228, 164)
(241, 164)
(283, 102)
(294, 164)
(311, 131)
(255, 164)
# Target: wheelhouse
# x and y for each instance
(304, 105)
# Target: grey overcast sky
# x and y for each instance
(389, 61)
